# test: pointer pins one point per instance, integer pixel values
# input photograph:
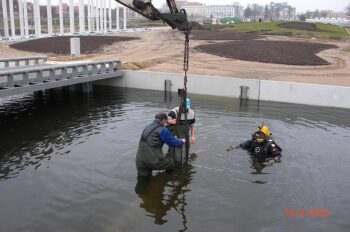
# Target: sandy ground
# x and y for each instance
(162, 51)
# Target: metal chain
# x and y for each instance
(186, 55)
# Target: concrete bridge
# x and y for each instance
(27, 79)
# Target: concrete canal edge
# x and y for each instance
(287, 92)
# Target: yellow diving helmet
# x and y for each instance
(262, 134)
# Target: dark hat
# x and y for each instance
(161, 116)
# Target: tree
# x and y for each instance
(324, 13)
(308, 14)
(348, 10)
(248, 12)
(316, 14)
(256, 11)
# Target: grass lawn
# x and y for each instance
(271, 28)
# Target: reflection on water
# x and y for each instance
(67, 163)
(165, 191)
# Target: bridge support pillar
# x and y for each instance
(87, 87)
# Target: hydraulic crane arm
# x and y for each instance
(175, 18)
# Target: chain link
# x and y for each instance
(186, 56)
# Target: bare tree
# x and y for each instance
(248, 12)
(257, 11)
(348, 10)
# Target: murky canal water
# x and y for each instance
(67, 164)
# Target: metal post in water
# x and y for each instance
(244, 92)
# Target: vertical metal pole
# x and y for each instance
(187, 136)
(71, 16)
(124, 17)
(20, 11)
(25, 11)
(12, 19)
(110, 14)
(49, 17)
(117, 17)
(81, 16)
(60, 7)
(4, 16)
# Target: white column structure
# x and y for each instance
(110, 14)
(49, 18)
(60, 9)
(101, 14)
(81, 16)
(97, 15)
(4, 16)
(124, 17)
(37, 22)
(71, 16)
(20, 11)
(12, 19)
(92, 16)
(117, 17)
(25, 11)
(104, 16)
(89, 15)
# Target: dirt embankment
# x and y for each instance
(223, 35)
(61, 45)
(277, 52)
(161, 50)
(300, 26)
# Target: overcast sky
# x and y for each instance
(301, 5)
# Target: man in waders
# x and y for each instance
(149, 154)
(261, 146)
(191, 119)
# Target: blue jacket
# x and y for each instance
(169, 139)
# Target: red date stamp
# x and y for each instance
(300, 213)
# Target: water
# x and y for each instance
(67, 164)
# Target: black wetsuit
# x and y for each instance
(262, 151)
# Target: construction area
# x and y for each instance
(212, 52)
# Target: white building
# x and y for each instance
(199, 10)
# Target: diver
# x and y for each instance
(191, 119)
(261, 146)
(149, 154)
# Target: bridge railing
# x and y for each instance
(37, 75)
(22, 61)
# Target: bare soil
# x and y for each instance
(61, 45)
(276, 52)
(223, 35)
(300, 26)
(161, 50)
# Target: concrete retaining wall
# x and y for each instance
(289, 92)
(309, 94)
